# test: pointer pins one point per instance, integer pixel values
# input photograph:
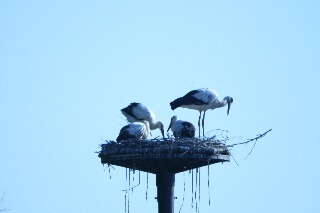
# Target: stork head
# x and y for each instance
(160, 126)
(173, 120)
(229, 101)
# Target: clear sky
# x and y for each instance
(67, 68)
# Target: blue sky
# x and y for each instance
(67, 68)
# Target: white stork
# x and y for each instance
(134, 131)
(181, 129)
(137, 112)
(201, 100)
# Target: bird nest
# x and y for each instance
(175, 155)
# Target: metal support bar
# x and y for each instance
(165, 185)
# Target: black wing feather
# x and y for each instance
(188, 99)
(188, 130)
(129, 109)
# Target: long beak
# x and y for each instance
(229, 105)
(169, 126)
(162, 132)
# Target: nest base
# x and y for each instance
(173, 155)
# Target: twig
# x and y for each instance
(124, 190)
(2, 201)
(249, 140)
(234, 159)
(184, 191)
(251, 149)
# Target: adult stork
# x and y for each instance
(201, 100)
(181, 129)
(134, 131)
(137, 112)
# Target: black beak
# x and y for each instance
(229, 105)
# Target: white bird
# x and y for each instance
(181, 129)
(201, 100)
(137, 112)
(134, 131)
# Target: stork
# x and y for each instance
(201, 100)
(134, 131)
(181, 129)
(137, 112)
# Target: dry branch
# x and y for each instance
(250, 140)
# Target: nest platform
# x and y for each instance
(173, 155)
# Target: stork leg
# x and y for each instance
(204, 113)
(199, 123)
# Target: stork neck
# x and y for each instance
(153, 125)
(218, 104)
(147, 124)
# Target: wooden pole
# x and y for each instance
(165, 187)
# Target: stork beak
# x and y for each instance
(162, 132)
(229, 105)
(169, 126)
